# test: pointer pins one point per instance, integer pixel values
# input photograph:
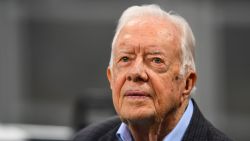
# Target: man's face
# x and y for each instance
(144, 77)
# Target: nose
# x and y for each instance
(137, 72)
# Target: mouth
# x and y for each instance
(137, 94)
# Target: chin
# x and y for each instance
(138, 115)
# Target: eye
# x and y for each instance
(157, 60)
(124, 59)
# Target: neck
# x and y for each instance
(156, 129)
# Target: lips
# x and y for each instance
(136, 93)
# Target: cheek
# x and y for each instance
(118, 82)
(165, 94)
(117, 85)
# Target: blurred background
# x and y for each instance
(54, 54)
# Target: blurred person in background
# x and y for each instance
(152, 74)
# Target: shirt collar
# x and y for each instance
(178, 132)
(123, 133)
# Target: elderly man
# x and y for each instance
(151, 74)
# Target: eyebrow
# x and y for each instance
(155, 52)
(124, 52)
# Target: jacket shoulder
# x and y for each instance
(216, 135)
(201, 129)
(99, 131)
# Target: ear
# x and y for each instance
(189, 83)
(109, 76)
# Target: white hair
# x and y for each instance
(187, 37)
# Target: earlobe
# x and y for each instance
(189, 83)
(109, 76)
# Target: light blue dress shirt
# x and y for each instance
(123, 133)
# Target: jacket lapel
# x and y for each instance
(197, 129)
